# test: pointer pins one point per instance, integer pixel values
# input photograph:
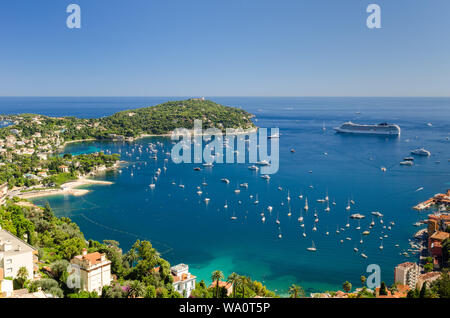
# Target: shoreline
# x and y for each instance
(68, 188)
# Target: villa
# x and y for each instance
(183, 281)
(15, 254)
(228, 286)
(95, 271)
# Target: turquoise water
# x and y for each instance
(187, 230)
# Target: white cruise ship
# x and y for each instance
(380, 129)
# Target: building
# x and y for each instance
(228, 286)
(95, 271)
(3, 193)
(439, 200)
(183, 281)
(406, 274)
(64, 168)
(14, 254)
(428, 278)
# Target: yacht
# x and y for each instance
(288, 197)
(152, 186)
(274, 136)
(376, 213)
(421, 152)
(269, 208)
(225, 180)
(266, 176)
(327, 209)
(254, 168)
(363, 255)
(207, 164)
(406, 163)
(207, 200)
(380, 129)
(263, 163)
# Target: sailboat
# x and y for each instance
(381, 245)
(233, 217)
(312, 248)
(348, 224)
(277, 220)
(304, 233)
(256, 201)
(326, 197)
(289, 214)
(300, 196)
(306, 204)
(359, 225)
(226, 205)
(279, 233)
(263, 219)
(300, 218)
(327, 209)
(314, 228)
(288, 197)
(348, 206)
(269, 208)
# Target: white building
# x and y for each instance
(14, 254)
(95, 271)
(183, 281)
(406, 274)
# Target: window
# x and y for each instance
(9, 261)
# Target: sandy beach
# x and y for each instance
(69, 188)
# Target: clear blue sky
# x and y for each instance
(225, 48)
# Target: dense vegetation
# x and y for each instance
(141, 272)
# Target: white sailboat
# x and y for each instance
(312, 248)
(327, 209)
(300, 218)
(226, 205)
(288, 197)
(306, 204)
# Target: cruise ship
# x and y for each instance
(380, 129)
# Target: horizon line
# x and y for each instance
(212, 96)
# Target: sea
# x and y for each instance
(186, 229)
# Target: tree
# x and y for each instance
(233, 279)
(423, 291)
(296, 291)
(217, 276)
(131, 256)
(383, 289)
(22, 276)
(363, 280)
(347, 286)
(242, 282)
(136, 289)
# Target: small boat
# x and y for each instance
(225, 180)
(152, 185)
(274, 136)
(181, 186)
(208, 164)
(327, 209)
(269, 208)
(288, 197)
(312, 248)
(421, 152)
(256, 201)
(348, 206)
(381, 246)
(355, 249)
(244, 185)
(226, 205)
(255, 168)
(321, 200)
(197, 169)
(263, 219)
(267, 177)
(300, 218)
(233, 217)
(406, 163)
(363, 255)
(263, 163)
(199, 192)
(314, 228)
(300, 196)
(306, 204)
(376, 213)
(408, 158)
(366, 232)
(207, 200)
(292, 150)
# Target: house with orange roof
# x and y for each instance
(183, 281)
(228, 286)
(427, 278)
(92, 271)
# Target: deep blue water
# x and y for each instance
(187, 230)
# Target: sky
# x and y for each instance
(225, 48)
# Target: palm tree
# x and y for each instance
(296, 291)
(22, 275)
(217, 276)
(243, 281)
(132, 256)
(234, 280)
(136, 289)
